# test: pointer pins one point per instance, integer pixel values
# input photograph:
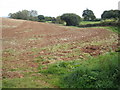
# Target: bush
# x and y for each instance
(101, 72)
(57, 69)
(71, 19)
(41, 18)
(58, 20)
(98, 72)
(101, 24)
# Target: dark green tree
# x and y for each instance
(48, 18)
(51, 19)
(71, 19)
(88, 15)
(111, 14)
(41, 18)
(119, 17)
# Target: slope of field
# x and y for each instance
(29, 46)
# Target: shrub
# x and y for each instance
(41, 18)
(71, 19)
(101, 72)
(58, 20)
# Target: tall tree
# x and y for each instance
(88, 15)
(33, 13)
(111, 14)
(24, 14)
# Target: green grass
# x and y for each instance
(110, 28)
(100, 72)
(114, 29)
(89, 22)
(109, 20)
(26, 82)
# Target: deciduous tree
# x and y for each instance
(88, 15)
(111, 14)
(24, 14)
(71, 19)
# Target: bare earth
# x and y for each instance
(20, 36)
(35, 34)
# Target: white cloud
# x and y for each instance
(57, 7)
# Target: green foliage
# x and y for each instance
(101, 72)
(111, 28)
(71, 19)
(89, 22)
(106, 22)
(88, 15)
(41, 18)
(57, 69)
(111, 14)
(98, 72)
(58, 20)
(49, 18)
(24, 14)
(114, 29)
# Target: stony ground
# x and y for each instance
(27, 45)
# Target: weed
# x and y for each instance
(101, 72)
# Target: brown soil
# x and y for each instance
(20, 36)
(95, 50)
(28, 34)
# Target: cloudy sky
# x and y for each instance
(57, 7)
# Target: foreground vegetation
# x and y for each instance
(98, 72)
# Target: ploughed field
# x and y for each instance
(29, 45)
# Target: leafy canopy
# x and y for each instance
(88, 15)
(111, 14)
(71, 19)
(24, 14)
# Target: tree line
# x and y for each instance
(71, 19)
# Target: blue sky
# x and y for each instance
(57, 7)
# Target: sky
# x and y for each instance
(57, 7)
